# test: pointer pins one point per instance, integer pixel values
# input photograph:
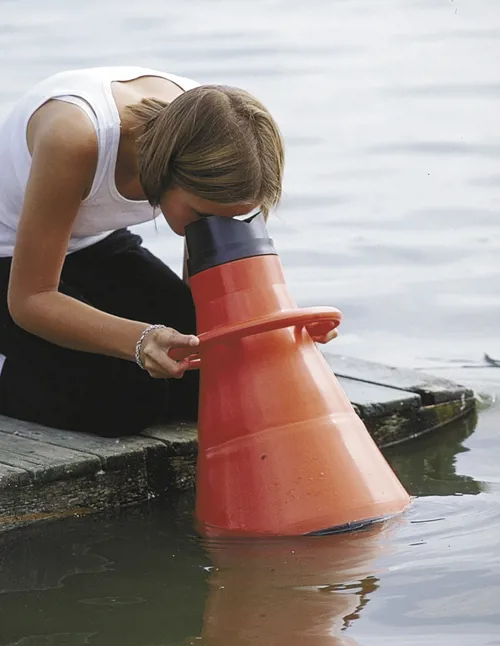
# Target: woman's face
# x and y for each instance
(180, 208)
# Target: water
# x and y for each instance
(142, 577)
(390, 114)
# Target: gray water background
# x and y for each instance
(390, 111)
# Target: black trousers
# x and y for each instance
(69, 389)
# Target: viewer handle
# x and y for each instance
(284, 318)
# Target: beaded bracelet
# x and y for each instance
(139, 343)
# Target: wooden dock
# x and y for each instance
(47, 473)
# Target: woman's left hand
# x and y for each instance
(323, 332)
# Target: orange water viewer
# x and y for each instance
(281, 449)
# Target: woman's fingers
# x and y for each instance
(323, 332)
(168, 369)
(183, 346)
(178, 340)
(155, 355)
(333, 334)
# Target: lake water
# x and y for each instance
(390, 111)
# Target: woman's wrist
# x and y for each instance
(140, 342)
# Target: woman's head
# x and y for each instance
(212, 144)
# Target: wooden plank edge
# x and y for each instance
(162, 467)
(429, 419)
(432, 389)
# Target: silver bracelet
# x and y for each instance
(139, 343)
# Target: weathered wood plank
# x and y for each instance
(181, 437)
(12, 476)
(182, 440)
(393, 416)
(373, 399)
(41, 477)
(75, 495)
(442, 414)
(111, 452)
(432, 390)
(44, 462)
(161, 456)
(390, 415)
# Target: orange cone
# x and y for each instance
(281, 449)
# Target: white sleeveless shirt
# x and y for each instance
(104, 210)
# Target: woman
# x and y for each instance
(87, 314)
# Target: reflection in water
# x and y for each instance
(141, 581)
(306, 590)
(426, 466)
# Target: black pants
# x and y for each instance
(44, 383)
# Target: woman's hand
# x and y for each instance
(323, 332)
(156, 346)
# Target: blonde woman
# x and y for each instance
(87, 314)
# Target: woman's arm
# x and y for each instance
(64, 158)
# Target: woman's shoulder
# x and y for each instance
(59, 125)
(63, 144)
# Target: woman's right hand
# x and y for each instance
(155, 348)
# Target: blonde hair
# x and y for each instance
(216, 142)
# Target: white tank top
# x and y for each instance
(104, 210)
